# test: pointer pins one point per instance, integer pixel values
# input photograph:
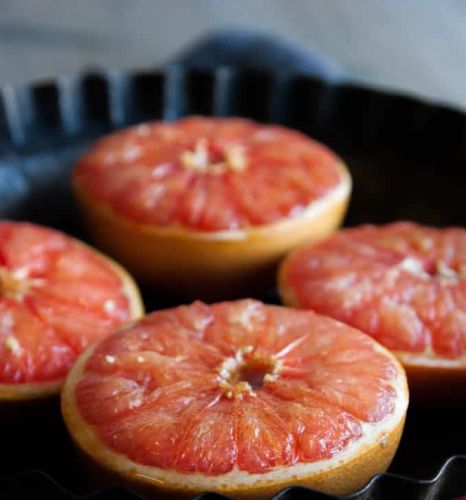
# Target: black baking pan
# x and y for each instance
(408, 161)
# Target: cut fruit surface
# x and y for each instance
(208, 202)
(208, 174)
(403, 284)
(237, 397)
(56, 297)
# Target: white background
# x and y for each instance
(416, 45)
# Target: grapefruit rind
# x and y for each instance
(344, 473)
(434, 381)
(46, 389)
(215, 263)
(39, 390)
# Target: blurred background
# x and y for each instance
(418, 46)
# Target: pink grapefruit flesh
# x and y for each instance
(56, 297)
(208, 174)
(232, 388)
(403, 284)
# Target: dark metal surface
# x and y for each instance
(407, 159)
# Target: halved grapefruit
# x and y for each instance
(239, 398)
(207, 206)
(403, 284)
(56, 296)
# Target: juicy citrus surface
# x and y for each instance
(234, 385)
(56, 296)
(207, 174)
(402, 283)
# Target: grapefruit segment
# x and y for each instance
(70, 321)
(209, 204)
(320, 430)
(31, 249)
(115, 396)
(56, 297)
(236, 397)
(400, 327)
(402, 283)
(29, 349)
(207, 444)
(263, 440)
(450, 340)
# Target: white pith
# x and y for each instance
(429, 358)
(198, 160)
(16, 283)
(230, 368)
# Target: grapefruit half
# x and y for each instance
(403, 284)
(56, 296)
(206, 207)
(239, 398)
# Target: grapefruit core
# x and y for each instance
(56, 296)
(239, 398)
(403, 284)
(208, 206)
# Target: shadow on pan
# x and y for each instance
(449, 483)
